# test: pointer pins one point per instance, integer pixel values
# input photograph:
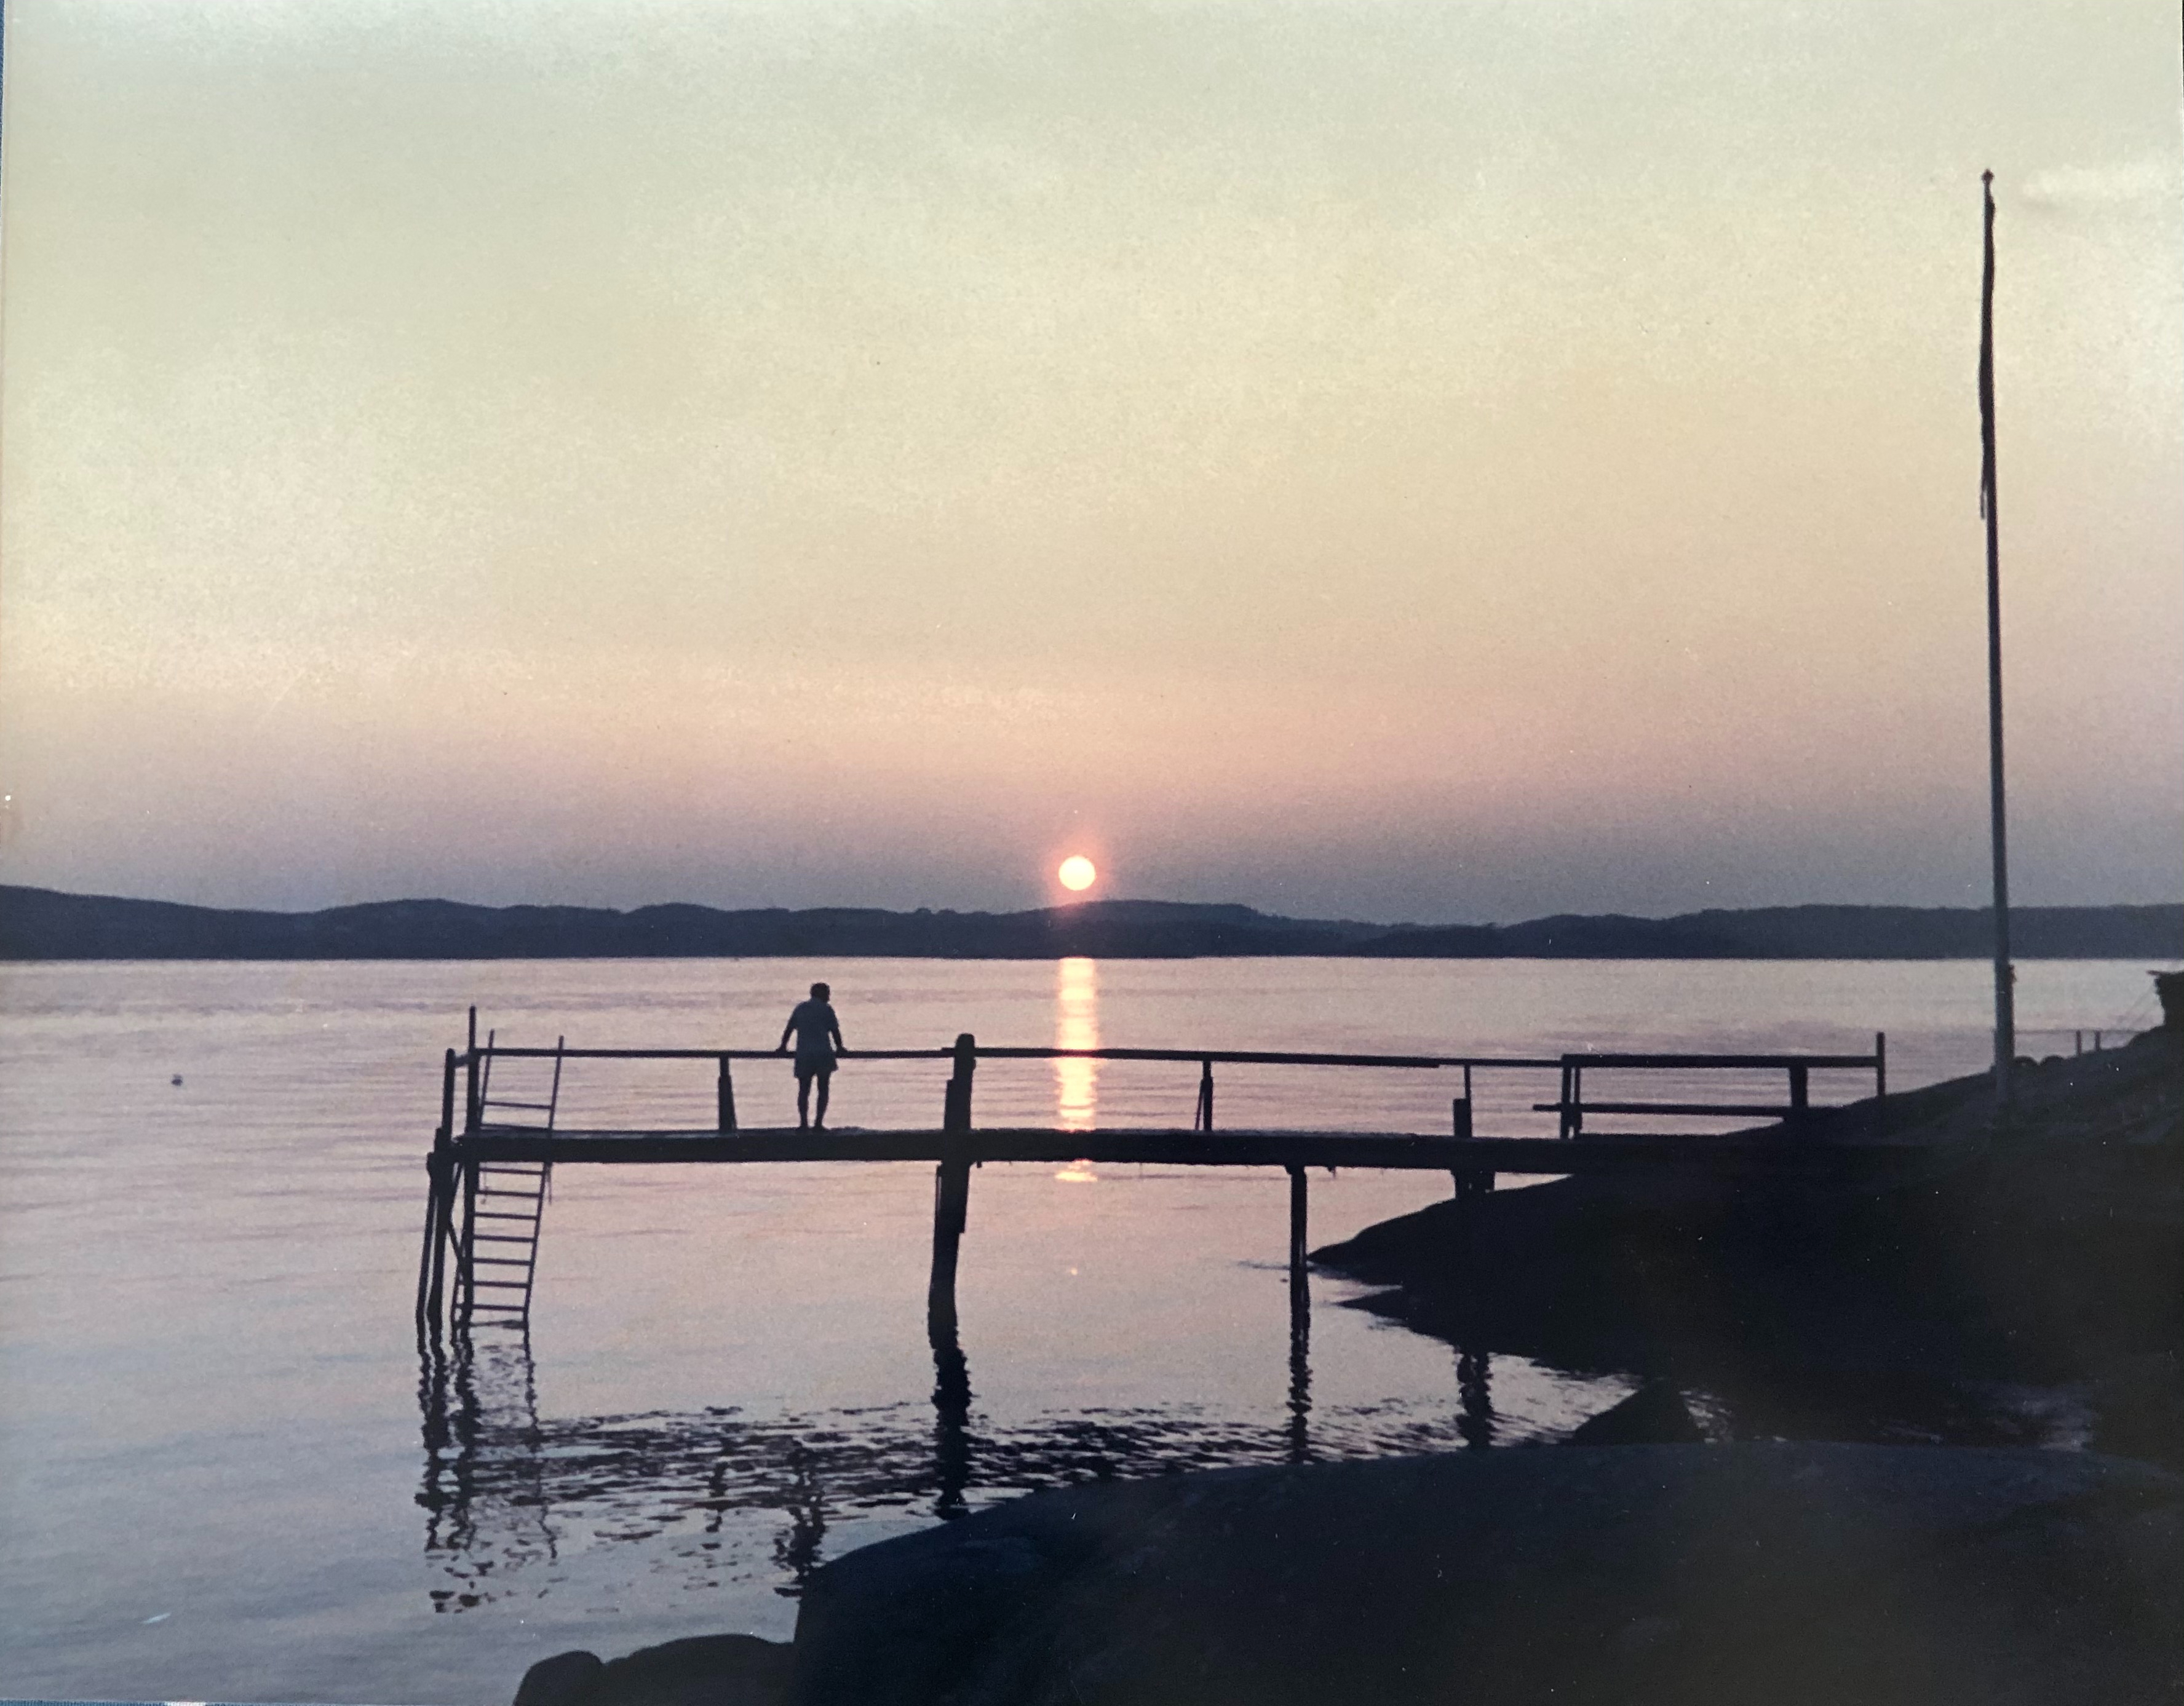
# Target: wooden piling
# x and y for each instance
(951, 1195)
(428, 1260)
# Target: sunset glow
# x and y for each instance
(1077, 872)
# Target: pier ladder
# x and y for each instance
(503, 1203)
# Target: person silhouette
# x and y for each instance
(818, 1036)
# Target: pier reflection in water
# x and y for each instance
(512, 1501)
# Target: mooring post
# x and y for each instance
(726, 1097)
(952, 1193)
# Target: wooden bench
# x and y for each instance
(1572, 1107)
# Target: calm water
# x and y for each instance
(224, 1474)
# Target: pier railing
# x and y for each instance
(489, 1180)
(1570, 1104)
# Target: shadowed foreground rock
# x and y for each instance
(1788, 1573)
(704, 1671)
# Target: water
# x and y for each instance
(225, 1474)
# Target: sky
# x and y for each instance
(1357, 459)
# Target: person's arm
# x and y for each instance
(782, 1047)
(834, 1025)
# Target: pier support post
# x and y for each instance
(1298, 1235)
(429, 1259)
(1472, 1184)
(951, 1205)
(951, 1194)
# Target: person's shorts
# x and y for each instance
(814, 1065)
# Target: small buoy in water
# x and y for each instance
(177, 1079)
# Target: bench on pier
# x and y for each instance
(1570, 1104)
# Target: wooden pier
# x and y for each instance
(493, 1154)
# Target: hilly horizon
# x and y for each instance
(50, 924)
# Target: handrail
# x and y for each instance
(1247, 1056)
(1757, 1062)
(965, 1053)
(1235, 1056)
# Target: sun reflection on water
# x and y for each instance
(1076, 1026)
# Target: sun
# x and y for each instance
(1077, 872)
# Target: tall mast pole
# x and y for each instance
(2005, 1014)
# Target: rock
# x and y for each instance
(1653, 1415)
(1641, 1575)
(2043, 1250)
(560, 1681)
(2138, 1408)
(704, 1670)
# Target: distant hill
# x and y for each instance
(44, 924)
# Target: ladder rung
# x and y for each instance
(501, 1238)
(502, 1284)
(535, 1107)
(495, 1214)
(509, 1308)
(528, 1195)
(498, 1262)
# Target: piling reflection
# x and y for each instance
(1300, 1399)
(517, 1505)
(1474, 1398)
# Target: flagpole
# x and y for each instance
(2005, 1014)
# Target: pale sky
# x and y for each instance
(1403, 461)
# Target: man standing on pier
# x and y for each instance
(818, 1036)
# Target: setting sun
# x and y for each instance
(1077, 872)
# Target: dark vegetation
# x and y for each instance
(43, 925)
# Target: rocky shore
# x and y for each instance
(1801, 1556)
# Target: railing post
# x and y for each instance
(1801, 1091)
(1460, 1115)
(955, 1106)
(1299, 1197)
(726, 1096)
(1880, 1066)
(1203, 1120)
(1572, 1119)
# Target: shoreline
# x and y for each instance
(2051, 1246)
